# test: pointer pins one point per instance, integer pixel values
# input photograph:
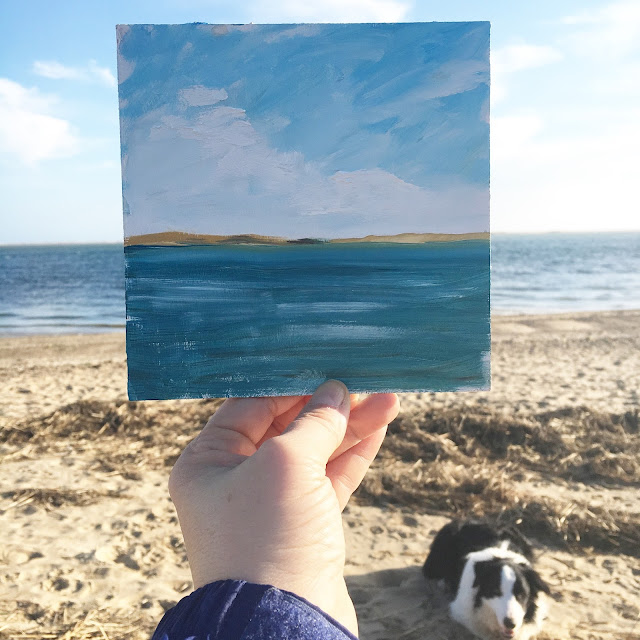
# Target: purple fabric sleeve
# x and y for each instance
(238, 610)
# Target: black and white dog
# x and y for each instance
(497, 594)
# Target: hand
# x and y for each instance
(259, 493)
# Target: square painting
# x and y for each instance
(304, 202)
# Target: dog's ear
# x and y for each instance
(441, 558)
(536, 583)
(519, 540)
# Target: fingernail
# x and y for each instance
(330, 394)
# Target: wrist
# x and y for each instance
(325, 591)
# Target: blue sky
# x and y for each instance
(565, 121)
(306, 130)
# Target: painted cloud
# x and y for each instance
(305, 131)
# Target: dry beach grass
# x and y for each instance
(92, 548)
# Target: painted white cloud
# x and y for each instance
(453, 78)
(200, 96)
(301, 30)
(378, 200)
(91, 72)
(125, 67)
(329, 10)
(223, 173)
(224, 29)
(28, 130)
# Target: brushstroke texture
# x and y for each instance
(272, 138)
(237, 320)
(321, 131)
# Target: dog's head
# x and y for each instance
(507, 596)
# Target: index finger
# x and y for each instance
(249, 417)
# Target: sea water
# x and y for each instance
(61, 289)
(565, 272)
(71, 288)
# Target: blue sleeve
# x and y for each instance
(238, 610)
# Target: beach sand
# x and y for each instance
(92, 548)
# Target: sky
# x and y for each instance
(322, 131)
(565, 106)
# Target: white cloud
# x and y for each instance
(55, 70)
(200, 96)
(510, 133)
(620, 81)
(102, 74)
(609, 38)
(517, 57)
(611, 31)
(91, 72)
(329, 10)
(514, 58)
(28, 130)
(223, 173)
(571, 165)
(582, 181)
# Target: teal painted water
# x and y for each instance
(263, 320)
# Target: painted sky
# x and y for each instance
(305, 130)
(565, 120)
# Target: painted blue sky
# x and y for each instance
(305, 130)
(565, 121)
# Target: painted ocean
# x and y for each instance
(232, 319)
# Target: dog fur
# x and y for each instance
(496, 592)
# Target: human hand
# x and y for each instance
(259, 493)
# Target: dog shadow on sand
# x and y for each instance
(399, 604)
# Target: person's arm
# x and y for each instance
(238, 610)
(259, 496)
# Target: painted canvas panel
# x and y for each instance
(304, 202)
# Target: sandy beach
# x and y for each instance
(91, 545)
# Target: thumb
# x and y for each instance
(320, 427)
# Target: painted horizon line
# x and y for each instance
(181, 238)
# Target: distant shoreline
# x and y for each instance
(179, 238)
